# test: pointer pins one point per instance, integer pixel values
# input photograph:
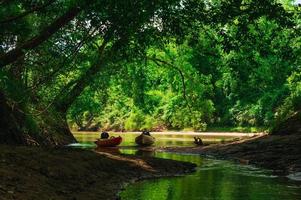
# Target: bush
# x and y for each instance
(135, 122)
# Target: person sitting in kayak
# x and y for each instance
(145, 139)
(146, 132)
(104, 135)
(198, 141)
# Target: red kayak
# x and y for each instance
(111, 142)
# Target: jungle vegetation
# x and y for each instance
(133, 65)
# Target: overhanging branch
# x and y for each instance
(34, 9)
(45, 34)
(161, 62)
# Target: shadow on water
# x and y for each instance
(214, 179)
(111, 150)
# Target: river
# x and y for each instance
(213, 179)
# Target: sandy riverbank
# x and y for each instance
(207, 134)
(279, 153)
(38, 173)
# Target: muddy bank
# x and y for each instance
(279, 153)
(37, 173)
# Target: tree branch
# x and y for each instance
(62, 64)
(66, 98)
(34, 9)
(45, 34)
(157, 61)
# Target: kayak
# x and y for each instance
(144, 140)
(111, 142)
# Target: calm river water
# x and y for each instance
(213, 180)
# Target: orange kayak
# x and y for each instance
(111, 142)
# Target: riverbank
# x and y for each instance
(282, 154)
(39, 173)
(207, 133)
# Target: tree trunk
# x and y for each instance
(72, 91)
(50, 128)
(10, 124)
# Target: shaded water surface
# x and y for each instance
(213, 180)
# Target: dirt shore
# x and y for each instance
(39, 173)
(282, 154)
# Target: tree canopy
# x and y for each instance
(133, 65)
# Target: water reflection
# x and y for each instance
(214, 180)
(162, 139)
(111, 150)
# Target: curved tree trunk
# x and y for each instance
(49, 129)
(10, 124)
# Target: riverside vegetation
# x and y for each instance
(146, 65)
(143, 64)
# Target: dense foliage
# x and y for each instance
(239, 73)
(132, 65)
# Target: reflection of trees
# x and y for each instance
(110, 150)
(146, 153)
(220, 180)
(150, 190)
